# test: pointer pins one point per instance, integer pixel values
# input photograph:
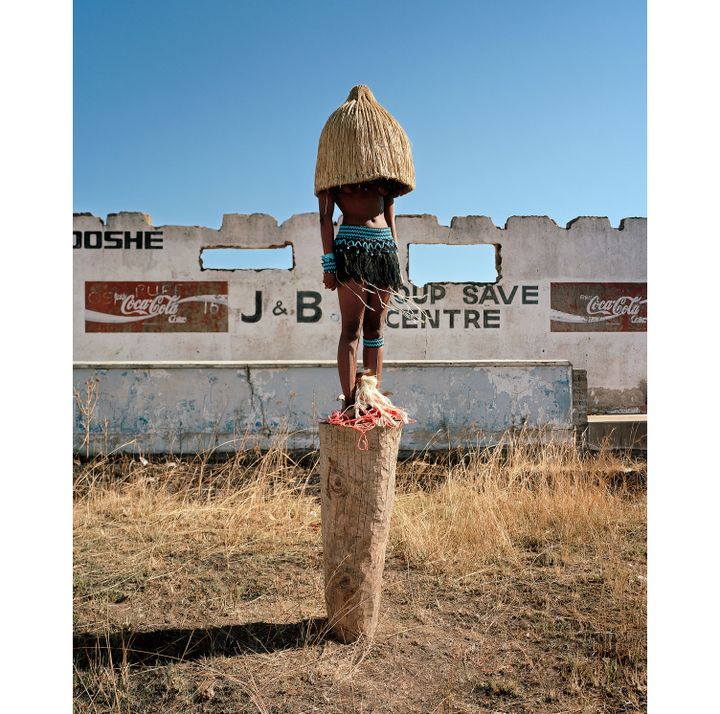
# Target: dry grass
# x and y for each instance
(514, 582)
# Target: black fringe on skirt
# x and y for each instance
(380, 267)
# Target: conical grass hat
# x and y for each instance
(361, 141)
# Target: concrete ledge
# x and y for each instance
(235, 364)
(186, 407)
(624, 431)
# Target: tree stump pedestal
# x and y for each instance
(357, 492)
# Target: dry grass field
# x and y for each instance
(514, 582)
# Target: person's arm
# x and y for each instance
(390, 215)
(327, 207)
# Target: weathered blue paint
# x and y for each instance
(190, 407)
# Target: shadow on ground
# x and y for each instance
(173, 645)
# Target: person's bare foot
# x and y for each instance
(349, 403)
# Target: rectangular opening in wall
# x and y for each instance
(247, 258)
(443, 263)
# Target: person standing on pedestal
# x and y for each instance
(364, 162)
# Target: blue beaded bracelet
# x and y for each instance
(328, 262)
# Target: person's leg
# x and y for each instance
(373, 328)
(351, 295)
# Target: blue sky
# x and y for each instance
(188, 110)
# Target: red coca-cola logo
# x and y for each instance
(159, 305)
(156, 306)
(598, 307)
(623, 305)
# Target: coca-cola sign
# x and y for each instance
(156, 306)
(598, 307)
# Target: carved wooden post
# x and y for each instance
(357, 492)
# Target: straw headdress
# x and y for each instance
(361, 141)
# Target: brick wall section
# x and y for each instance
(580, 397)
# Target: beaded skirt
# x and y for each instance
(367, 254)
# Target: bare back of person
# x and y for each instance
(362, 204)
(369, 204)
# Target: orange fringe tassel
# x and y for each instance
(371, 408)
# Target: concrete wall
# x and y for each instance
(576, 293)
(227, 406)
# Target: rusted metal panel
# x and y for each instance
(156, 306)
(598, 307)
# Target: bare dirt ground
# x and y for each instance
(514, 582)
